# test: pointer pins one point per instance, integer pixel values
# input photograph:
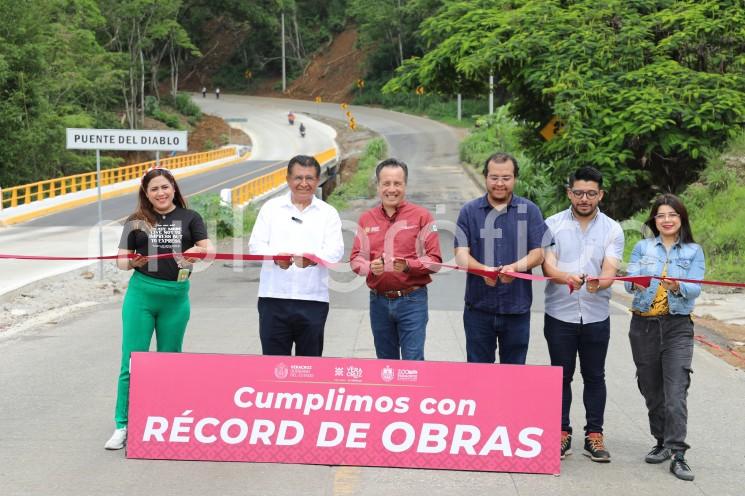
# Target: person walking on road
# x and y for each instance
(157, 298)
(504, 232)
(217, 93)
(204, 92)
(583, 242)
(397, 279)
(294, 295)
(661, 330)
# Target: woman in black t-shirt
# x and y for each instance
(157, 298)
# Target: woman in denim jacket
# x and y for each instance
(661, 331)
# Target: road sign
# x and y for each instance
(344, 106)
(420, 90)
(319, 99)
(248, 74)
(122, 139)
(360, 83)
(552, 128)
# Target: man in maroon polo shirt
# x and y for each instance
(394, 243)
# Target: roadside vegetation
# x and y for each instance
(112, 63)
(714, 204)
(222, 220)
(639, 89)
(360, 184)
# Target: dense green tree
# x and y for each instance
(144, 31)
(389, 29)
(53, 74)
(642, 87)
(235, 36)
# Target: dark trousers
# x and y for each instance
(283, 322)
(484, 331)
(663, 350)
(566, 341)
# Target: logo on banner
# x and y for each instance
(408, 375)
(305, 371)
(281, 371)
(387, 374)
(354, 373)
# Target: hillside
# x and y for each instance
(332, 74)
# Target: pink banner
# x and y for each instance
(338, 411)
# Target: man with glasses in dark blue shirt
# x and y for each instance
(504, 232)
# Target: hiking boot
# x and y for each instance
(117, 440)
(658, 454)
(566, 444)
(595, 448)
(680, 468)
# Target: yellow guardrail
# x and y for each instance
(50, 188)
(249, 190)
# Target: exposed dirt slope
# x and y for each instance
(333, 73)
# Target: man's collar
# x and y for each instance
(484, 203)
(576, 219)
(288, 201)
(398, 208)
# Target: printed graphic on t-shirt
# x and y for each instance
(167, 236)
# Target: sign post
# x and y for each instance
(121, 139)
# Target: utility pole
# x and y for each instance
(491, 94)
(284, 71)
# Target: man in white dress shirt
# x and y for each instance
(584, 242)
(294, 295)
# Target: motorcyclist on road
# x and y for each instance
(291, 118)
(302, 130)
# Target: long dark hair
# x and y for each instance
(145, 211)
(685, 235)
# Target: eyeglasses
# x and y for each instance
(504, 179)
(578, 194)
(671, 216)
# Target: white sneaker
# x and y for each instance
(117, 440)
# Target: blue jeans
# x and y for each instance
(399, 325)
(485, 330)
(565, 341)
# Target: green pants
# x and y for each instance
(150, 305)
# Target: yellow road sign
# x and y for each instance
(344, 106)
(420, 90)
(319, 99)
(360, 83)
(552, 128)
